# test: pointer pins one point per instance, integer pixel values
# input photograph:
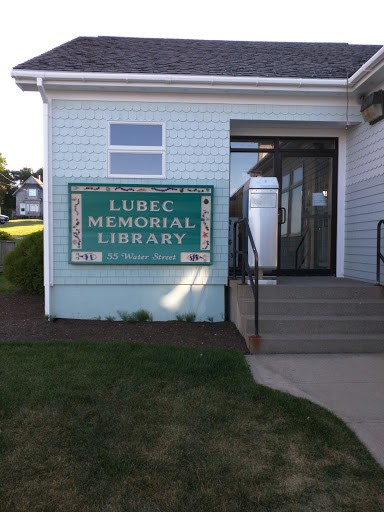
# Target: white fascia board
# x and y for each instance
(26, 80)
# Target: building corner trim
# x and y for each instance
(47, 193)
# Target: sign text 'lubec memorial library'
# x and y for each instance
(123, 224)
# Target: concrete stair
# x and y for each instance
(311, 315)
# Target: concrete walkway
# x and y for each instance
(349, 385)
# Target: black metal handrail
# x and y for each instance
(379, 254)
(245, 268)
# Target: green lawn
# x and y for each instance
(125, 427)
(22, 227)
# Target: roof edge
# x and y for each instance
(27, 80)
(368, 71)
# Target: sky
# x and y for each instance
(31, 28)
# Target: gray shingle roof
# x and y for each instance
(200, 57)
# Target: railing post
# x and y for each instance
(379, 255)
(256, 293)
(234, 249)
(253, 280)
(243, 256)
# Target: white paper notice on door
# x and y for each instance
(318, 199)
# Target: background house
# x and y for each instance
(29, 198)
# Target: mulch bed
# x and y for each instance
(22, 318)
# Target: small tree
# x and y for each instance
(26, 172)
(6, 180)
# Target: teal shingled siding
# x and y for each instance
(197, 138)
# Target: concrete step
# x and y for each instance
(352, 292)
(317, 324)
(325, 307)
(311, 315)
(316, 344)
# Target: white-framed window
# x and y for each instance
(34, 208)
(136, 149)
(32, 192)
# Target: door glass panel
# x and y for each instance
(306, 194)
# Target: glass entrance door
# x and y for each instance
(306, 170)
(306, 197)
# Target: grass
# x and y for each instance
(141, 315)
(22, 227)
(5, 285)
(186, 317)
(117, 426)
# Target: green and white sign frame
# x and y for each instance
(140, 224)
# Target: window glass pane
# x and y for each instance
(285, 183)
(315, 144)
(298, 175)
(252, 144)
(296, 210)
(32, 192)
(136, 135)
(246, 165)
(136, 163)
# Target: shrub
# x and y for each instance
(4, 235)
(24, 266)
(124, 315)
(142, 315)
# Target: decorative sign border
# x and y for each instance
(83, 252)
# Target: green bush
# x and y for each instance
(4, 235)
(24, 266)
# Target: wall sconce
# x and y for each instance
(372, 107)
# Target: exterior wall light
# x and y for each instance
(372, 107)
